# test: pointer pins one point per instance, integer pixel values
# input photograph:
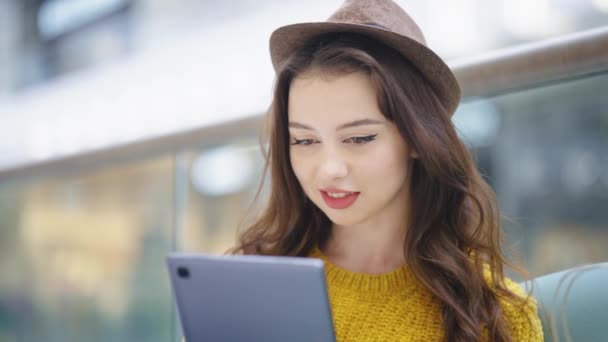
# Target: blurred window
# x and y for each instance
(82, 255)
(544, 151)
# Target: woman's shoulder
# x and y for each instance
(521, 316)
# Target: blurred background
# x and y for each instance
(129, 129)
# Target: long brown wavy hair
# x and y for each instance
(455, 231)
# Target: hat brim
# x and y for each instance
(287, 39)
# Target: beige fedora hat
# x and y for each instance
(385, 21)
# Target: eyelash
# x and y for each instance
(361, 140)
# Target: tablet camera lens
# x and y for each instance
(183, 272)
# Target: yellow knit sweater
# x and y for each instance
(394, 307)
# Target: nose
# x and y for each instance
(333, 165)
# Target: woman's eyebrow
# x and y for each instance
(356, 123)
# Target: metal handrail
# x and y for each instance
(521, 67)
(535, 64)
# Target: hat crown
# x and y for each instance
(384, 14)
(384, 21)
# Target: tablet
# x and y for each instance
(251, 298)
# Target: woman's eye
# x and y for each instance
(362, 140)
(302, 142)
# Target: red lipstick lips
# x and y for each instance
(339, 202)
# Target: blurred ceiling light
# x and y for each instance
(222, 171)
(531, 19)
(530, 172)
(57, 17)
(602, 5)
(580, 170)
(477, 122)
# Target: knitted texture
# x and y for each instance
(395, 307)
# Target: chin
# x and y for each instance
(345, 218)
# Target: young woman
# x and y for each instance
(368, 174)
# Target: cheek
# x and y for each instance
(386, 167)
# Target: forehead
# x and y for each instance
(321, 100)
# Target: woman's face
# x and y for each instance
(349, 159)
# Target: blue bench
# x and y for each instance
(573, 304)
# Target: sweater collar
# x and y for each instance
(396, 280)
